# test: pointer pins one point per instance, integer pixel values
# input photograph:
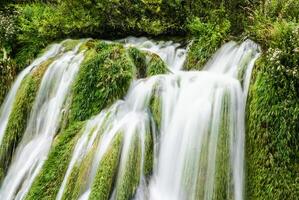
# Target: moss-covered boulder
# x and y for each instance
(272, 142)
(130, 170)
(48, 182)
(20, 114)
(102, 79)
(102, 187)
(7, 75)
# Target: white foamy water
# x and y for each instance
(171, 53)
(196, 137)
(43, 123)
(199, 144)
(7, 105)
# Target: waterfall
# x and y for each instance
(175, 136)
(6, 107)
(197, 142)
(43, 123)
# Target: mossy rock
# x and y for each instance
(70, 44)
(102, 79)
(156, 108)
(139, 59)
(49, 180)
(20, 114)
(7, 75)
(104, 181)
(148, 154)
(129, 170)
(272, 132)
(155, 65)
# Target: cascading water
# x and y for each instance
(174, 137)
(171, 53)
(6, 107)
(198, 144)
(43, 123)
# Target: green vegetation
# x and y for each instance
(20, 115)
(7, 74)
(148, 154)
(102, 79)
(129, 170)
(156, 66)
(273, 108)
(48, 182)
(272, 147)
(209, 37)
(103, 184)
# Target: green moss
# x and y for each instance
(70, 44)
(48, 182)
(7, 75)
(156, 109)
(76, 183)
(148, 154)
(207, 38)
(222, 190)
(272, 137)
(101, 80)
(147, 64)
(129, 172)
(20, 114)
(139, 59)
(156, 66)
(103, 183)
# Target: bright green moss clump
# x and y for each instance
(272, 143)
(103, 183)
(147, 64)
(48, 182)
(129, 172)
(155, 66)
(101, 80)
(156, 109)
(209, 36)
(148, 154)
(20, 115)
(222, 190)
(139, 59)
(7, 74)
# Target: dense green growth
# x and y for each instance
(20, 114)
(146, 63)
(209, 37)
(102, 186)
(156, 66)
(7, 74)
(129, 170)
(102, 79)
(47, 183)
(273, 107)
(139, 59)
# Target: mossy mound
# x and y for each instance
(102, 79)
(272, 137)
(146, 63)
(102, 186)
(48, 182)
(155, 65)
(272, 142)
(20, 114)
(129, 170)
(7, 75)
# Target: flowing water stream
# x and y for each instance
(43, 123)
(174, 137)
